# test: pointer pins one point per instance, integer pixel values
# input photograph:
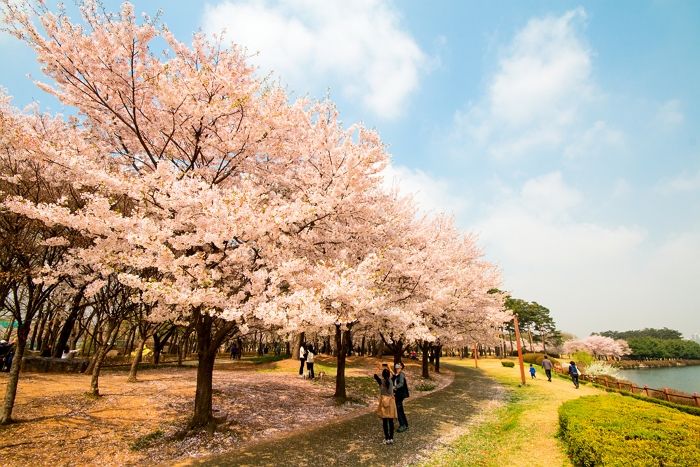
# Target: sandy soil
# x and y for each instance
(134, 423)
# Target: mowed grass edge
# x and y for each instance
(521, 432)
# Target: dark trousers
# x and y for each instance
(549, 374)
(574, 378)
(301, 366)
(310, 367)
(388, 425)
(400, 412)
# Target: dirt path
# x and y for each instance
(434, 419)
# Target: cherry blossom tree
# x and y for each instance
(598, 346)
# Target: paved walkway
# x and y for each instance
(358, 441)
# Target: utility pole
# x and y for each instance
(520, 348)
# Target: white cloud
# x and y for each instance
(359, 44)
(669, 114)
(683, 183)
(431, 194)
(592, 276)
(539, 98)
(594, 140)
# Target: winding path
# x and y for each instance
(357, 441)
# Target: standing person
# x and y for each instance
(532, 371)
(573, 371)
(302, 359)
(387, 405)
(400, 393)
(547, 365)
(310, 353)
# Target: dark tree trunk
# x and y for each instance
(208, 343)
(343, 340)
(438, 351)
(62, 341)
(203, 416)
(425, 348)
(362, 346)
(40, 338)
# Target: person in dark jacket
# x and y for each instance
(400, 393)
(573, 371)
(547, 365)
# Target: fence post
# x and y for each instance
(696, 398)
(646, 390)
(618, 385)
(666, 395)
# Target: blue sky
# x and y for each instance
(565, 134)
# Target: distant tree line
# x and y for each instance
(650, 343)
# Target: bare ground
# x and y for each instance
(134, 423)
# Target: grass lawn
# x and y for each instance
(523, 430)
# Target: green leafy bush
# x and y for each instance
(425, 386)
(617, 430)
(508, 364)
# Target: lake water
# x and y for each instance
(684, 378)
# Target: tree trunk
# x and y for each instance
(100, 358)
(137, 359)
(42, 323)
(438, 351)
(362, 346)
(425, 347)
(297, 343)
(529, 334)
(510, 338)
(342, 343)
(63, 337)
(203, 416)
(398, 351)
(8, 333)
(13, 379)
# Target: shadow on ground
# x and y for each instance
(358, 441)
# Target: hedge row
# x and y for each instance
(616, 430)
(537, 358)
(693, 410)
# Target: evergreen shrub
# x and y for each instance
(616, 430)
(508, 364)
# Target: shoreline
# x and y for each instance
(641, 364)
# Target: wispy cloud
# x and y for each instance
(670, 114)
(682, 183)
(535, 98)
(360, 46)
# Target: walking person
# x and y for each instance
(532, 371)
(302, 359)
(387, 405)
(400, 393)
(310, 353)
(573, 371)
(547, 365)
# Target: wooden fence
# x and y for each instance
(619, 386)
